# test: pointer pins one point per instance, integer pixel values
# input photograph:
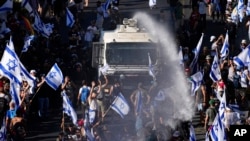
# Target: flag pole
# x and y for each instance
(35, 94)
(109, 108)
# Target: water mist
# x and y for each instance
(179, 102)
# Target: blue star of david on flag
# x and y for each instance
(55, 77)
(215, 65)
(52, 75)
(12, 64)
(120, 105)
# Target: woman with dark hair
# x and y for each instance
(18, 126)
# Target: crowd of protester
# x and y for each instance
(74, 58)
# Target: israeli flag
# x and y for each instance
(225, 48)
(69, 18)
(9, 65)
(7, 6)
(54, 78)
(215, 73)
(240, 9)
(24, 73)
(240, 113)
(151, 68)
(27, 42)
(3, 130)
(15, 93)
(222, 106)
(194, 64)
(27, 6)
(196, 80)
(192, 136)
(68, 108)
(120, 105)
(217, 132)
(43, 29)
(105, 8)
(243, 59)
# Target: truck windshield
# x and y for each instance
(130, 53)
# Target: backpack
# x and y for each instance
(3, 105)
(19, 130)
(84, 94)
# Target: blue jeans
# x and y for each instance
(43, 106)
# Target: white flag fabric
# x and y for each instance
(68, 108)
(235, 16)
(196, 80)
(9, 65)
(15, 93)
(240, 113)
(225, 48)
(192, 136)
(217, 132)
(222, 106)
(152, 3)
(27, 42)
(54, 78)
(207, 137)
(151, 68)
(240, 8)
(69, 18)
(27, 6)
(248, 8)
(24, 73)
(3, 134)
(215, 73)
(104, 69)
(44, 29)
(194, 64)
(7, 6)
(120, 105)
(243, 59)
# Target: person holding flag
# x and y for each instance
(140, 99)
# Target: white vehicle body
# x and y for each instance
(124, 51)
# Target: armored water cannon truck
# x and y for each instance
(124, 52)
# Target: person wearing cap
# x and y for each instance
(216, 44)
(210, 115)
(32, 89)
